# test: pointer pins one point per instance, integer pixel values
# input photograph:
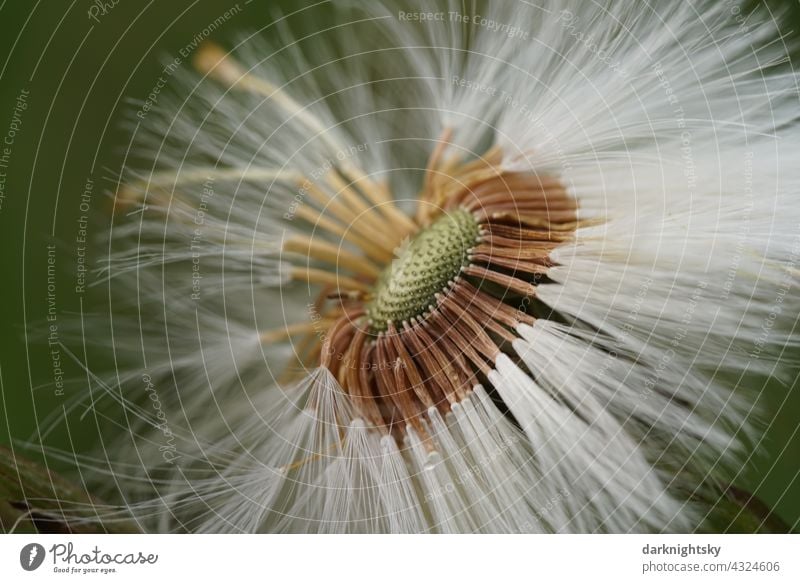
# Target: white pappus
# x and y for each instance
(439, 268)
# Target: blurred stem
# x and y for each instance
(34, 499)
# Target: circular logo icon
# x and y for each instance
(31, 556)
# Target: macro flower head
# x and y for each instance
(443, 268)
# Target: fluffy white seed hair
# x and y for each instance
(673, 125)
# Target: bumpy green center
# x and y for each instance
(422, 267)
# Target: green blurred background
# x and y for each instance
(78, 73)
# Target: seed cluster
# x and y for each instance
(422, 268)
(416, 320)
